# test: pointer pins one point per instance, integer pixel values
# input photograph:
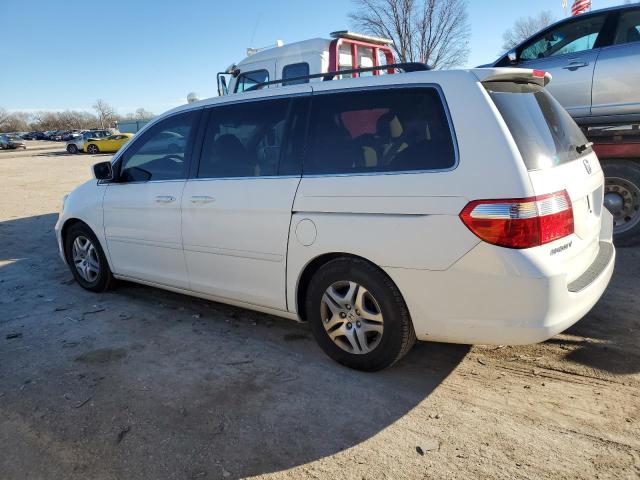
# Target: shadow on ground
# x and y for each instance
(144, 383)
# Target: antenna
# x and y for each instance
(253, 34)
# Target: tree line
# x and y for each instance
(105, 116)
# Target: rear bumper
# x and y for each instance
(484, 299)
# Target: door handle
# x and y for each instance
(202, 199)
(575, 64)
(165, 199)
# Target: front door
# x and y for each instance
(142, 220)
(237, 210)
(617, 74)
(567, 52)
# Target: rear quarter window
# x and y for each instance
(544, 132)
(377, 131)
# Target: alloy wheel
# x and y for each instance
(352, 317)
(85, 258)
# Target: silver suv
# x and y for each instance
(595, 62)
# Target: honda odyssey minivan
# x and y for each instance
(452, 206)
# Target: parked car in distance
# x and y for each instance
(76, 144)
(31, 136)
(380, 212)
(11, 141)
(40, 136)
(108, 144)
(70, 134)
(594, 59)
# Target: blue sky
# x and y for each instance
(151, 54)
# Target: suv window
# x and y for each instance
(244, 140)
(156, 156)
(628, 28)
(403, 129)
(572, 37)
(251, 79)
(295, 70)
(544, 132)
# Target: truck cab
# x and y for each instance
(343, 51)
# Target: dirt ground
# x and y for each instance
(141, 383)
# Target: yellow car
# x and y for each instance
(107, 144)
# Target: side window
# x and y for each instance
(295, 70)
(244, 139)
(163, 151)
(251, 79)
(628, 30)
(393, 130)
(573, 37)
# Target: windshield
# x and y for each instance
(544, 132)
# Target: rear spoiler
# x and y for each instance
(518, 75)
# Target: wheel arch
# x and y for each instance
(313, 265)
(69, 223)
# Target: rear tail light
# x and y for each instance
(520, 222)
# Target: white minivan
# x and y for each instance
(452, 206)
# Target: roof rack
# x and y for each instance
(405, 67)
(360, 36)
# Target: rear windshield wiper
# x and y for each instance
(583, 147)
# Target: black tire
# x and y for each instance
(93, 149)
(398, 335)
(104, 279)
(625, 174)
(72, 148)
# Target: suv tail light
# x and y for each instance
(520, 222)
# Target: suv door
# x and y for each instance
(142, 206)
(237, 210)
(617, 73)
(568, 51)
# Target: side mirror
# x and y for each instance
(103, 171)
(512, 55)
(222, 84)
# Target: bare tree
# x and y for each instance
(524, 28)
(67, 120)
(4, 117)
(106, 113)
(435, 32)
(142, 114)
(13, 121)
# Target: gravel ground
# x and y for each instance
(142, 383)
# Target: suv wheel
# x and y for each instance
(86, 259)
(72, 148)
(358, 316)
(622, 198)
(93, 149)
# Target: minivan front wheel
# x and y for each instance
(86, 259)
(358, 316)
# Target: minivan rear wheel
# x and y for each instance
(358, 316)
(72, 148)
(86, 259)
(93, 149)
